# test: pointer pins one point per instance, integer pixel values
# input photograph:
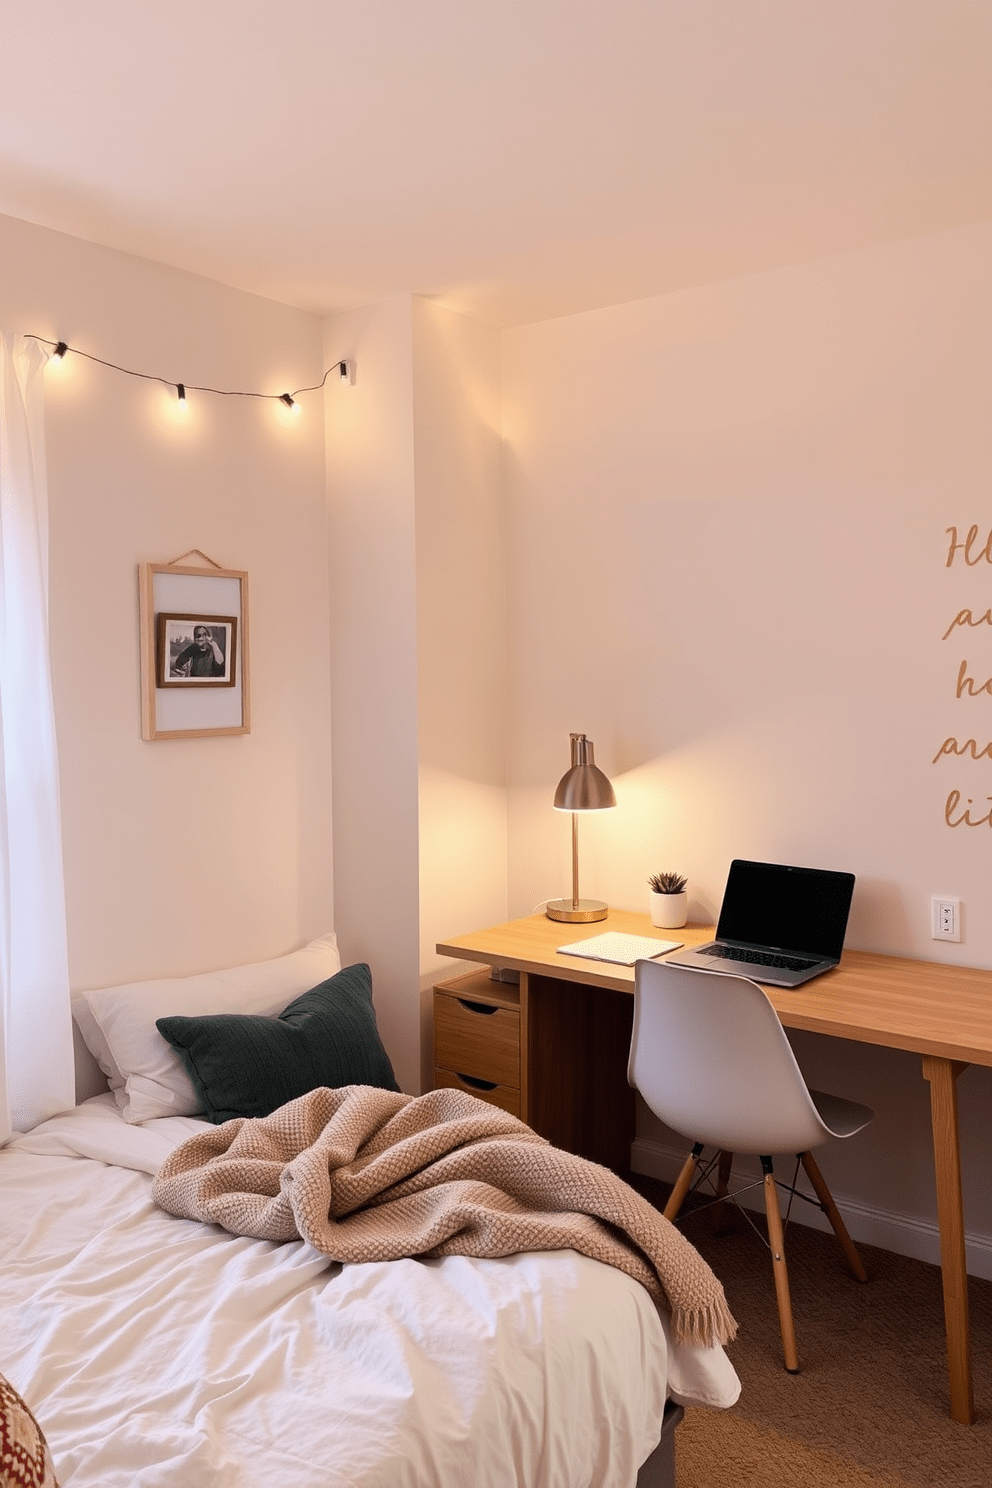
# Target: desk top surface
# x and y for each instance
(923, 1006)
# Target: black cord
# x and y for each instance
(334, 367)
(61, 347)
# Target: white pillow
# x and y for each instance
(94, 1040)
(145, 1073)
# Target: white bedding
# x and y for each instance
(162, 1353)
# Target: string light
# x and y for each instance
(344, 369)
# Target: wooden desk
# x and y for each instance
(574, 1043)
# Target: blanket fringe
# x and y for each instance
(706, 1326)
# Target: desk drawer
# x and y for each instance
(496, 1095)
(477, 1039)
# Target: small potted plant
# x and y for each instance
(669, 902)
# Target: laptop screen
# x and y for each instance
(788, 909)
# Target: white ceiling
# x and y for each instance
(516, 159)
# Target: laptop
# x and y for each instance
(778, 924)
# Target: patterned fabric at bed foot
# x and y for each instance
(25, 1461)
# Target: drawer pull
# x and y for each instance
(477, 1007)
(477, 1084)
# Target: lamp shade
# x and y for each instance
(583, 787)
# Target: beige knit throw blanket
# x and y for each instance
(364, 1174)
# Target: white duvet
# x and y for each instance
(164, 1353)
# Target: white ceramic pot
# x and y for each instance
(669, 911)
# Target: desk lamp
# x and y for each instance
(583, 787)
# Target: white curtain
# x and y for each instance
(36, 1059)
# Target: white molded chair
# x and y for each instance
(711, 1059)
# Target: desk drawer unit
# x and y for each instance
(477, 1039)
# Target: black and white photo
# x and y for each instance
(196, 650)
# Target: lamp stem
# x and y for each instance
(575, 860)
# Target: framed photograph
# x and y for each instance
(193, 619)
(195, 650)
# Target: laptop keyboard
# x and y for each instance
(761, 958)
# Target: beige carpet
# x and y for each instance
(870, 1404)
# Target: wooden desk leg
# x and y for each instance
(942, 1074)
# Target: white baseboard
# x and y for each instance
(901, 1233)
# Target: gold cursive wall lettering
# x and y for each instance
(965, 819)
(965, 682)
(965, 617)
(973, 549)
(968, 747)
(968, 549)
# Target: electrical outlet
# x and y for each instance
(946, 917)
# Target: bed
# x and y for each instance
(156, 1350)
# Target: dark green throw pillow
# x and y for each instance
(245, 1064)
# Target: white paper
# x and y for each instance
(624, 950)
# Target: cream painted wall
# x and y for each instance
(372, 563)
(727, 560)
(180, 855)
(461, 637)
(418, 627)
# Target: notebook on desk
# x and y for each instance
(778, 924)
(622, 950)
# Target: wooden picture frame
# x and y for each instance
(172, 597)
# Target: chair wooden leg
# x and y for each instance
(854, 1262)
(776, 1240)
(682, 1183)
(718, 1212)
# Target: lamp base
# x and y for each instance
(581, 914)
